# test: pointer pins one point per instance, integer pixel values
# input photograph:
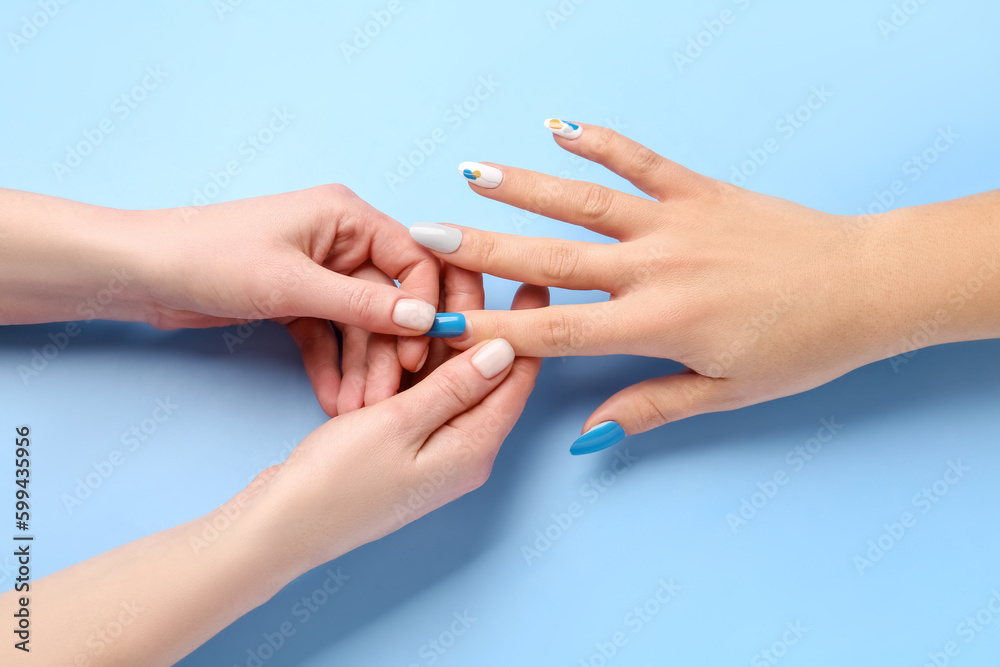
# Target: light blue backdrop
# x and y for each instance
(356, 116)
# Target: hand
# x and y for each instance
(281, 257)
(301, 258)
(759, 297)
(367, 473)
(355, 479)
(370, 366)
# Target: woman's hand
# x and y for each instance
(289, 256)
(355, 479)
(367, 473)
(301, 258)
(759, 297)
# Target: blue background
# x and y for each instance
(665, 518)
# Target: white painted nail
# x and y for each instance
(436, 237)
(482, 175)
(563, 128)
(493, 357)
(413, 314)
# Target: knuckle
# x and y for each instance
(535, 196)
(362, 303)
(334, 191)
(557, 334)
(488, 248)
(479, 474)
(650, 414)
(454, 387)
(523, 375)
(559, 262)
(597, 202)
(644, 160)
(330, 199)
(604, 140)
(476, 469)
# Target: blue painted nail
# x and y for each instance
(597, 438)
(447, 325)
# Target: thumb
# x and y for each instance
(451, 389)
(325, 294)
(648, 404)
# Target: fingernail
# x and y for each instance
(493, 357)
(482, 175)
(447, 325)
(597, 438)
(413, 314)
(436, 237)
(563, 128)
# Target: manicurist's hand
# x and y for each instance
(759, 297)
(366, 473)
(296, 257)
(358, 477)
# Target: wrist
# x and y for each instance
(934, 274)
(241, 537)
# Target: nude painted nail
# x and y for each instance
(436, 237)
(413, 314)
(493, 357)
(563, 128)
(482, 175)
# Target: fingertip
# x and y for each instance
(564, 129)
(412, 352)
(530, 296)
(466, 339)
(447, 325)
(351, 398)
(414, 315)
(423, 360)
(326, 389)
(599, 436)
(493, 358)
(329, 407)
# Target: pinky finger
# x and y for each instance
(652, 403)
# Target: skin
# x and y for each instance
(759, 297)
(358, 477)
(300, 258)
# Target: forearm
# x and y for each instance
(62, 261)
(153, 601)
(938, 268)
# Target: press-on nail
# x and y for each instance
(563, 128)
(413, 314)
(597, 438)
(493, 357)
(482, 175)
(447, 325)
(436, 237)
